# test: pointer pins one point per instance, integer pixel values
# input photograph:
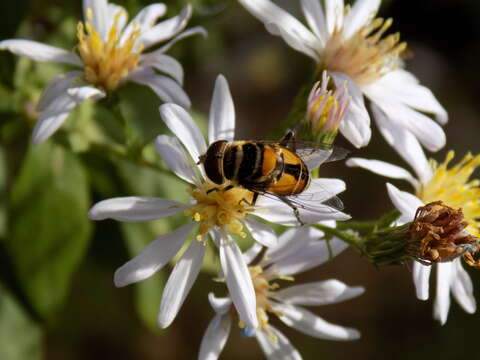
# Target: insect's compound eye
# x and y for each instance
(213, 163)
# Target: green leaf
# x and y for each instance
(147, 292)
(48, 225)
(20, 337)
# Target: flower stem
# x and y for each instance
(350, 238)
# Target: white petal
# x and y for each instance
(280, 22)
(215, 337)
(310, 324)
(40, 52)
(405, 144)
(276, 350)
(318, 293)
(312, 9)
(384, 169)
(402, 86)
(55, 88)
(462, 287)
(239, 282)
(405, 202)
(310, 256)
(135, 208)
(153, 257)
(81, 93)
(427, 131)
(166, 88)
(220, 305)
(421, 277)
(197, 30)
(221, 122)
(324, 188)
(47, 124)
(180, 282)
(296, 41)
(182, 125)
(355, 126)
(262, 233)
(361, 14)
(250, 254)
(145, 19)
(334, 10)
(99, 12)
(290, 242)
(59, 98)
(172, 153)
(164, 63)
(166, 29)
(442, 299)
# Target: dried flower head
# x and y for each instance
(438, 235)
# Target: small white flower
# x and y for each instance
(110, 51)
(348, 43)
(218, 213)
(452, 186)
(297, 250)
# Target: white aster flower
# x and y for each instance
(110, 51)
(218, 213)
(298, 250)
(348, 43)
(452, 186)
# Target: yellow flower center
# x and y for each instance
(365, 56)
(453, 187)
(216, 206)
(108, 61)
(262, 285)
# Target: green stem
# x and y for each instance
(370, 226)
(351, 239)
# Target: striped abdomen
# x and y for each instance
(265, 167)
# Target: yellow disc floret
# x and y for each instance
(263, 285)
(366, 55)
(454, 187)
(107, 61)
(219, 206)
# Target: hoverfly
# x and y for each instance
(277, 169)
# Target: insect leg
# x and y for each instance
(219, 188)
(250, 203)
(295, 209)
(288, 140)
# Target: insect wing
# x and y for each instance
(315, 199)
(314, 157)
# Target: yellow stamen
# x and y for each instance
(453, 187)
(217, 207)
(107, 61)
(263, 287)
(365, 56)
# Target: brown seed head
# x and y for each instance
(438, 234)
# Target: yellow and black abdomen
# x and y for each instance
(242, 162)
(294, 176)
(265, 168)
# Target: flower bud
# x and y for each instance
(326, 109)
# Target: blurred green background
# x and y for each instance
(59, 301)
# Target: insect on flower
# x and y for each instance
(278, 169)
